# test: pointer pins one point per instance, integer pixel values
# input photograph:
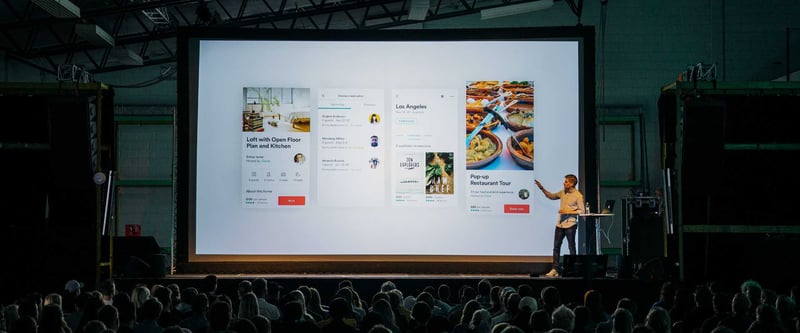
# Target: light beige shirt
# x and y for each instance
(570, 202)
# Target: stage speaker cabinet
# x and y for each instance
(652, 269)
(583, 265)
(619, 266)
(138, 257)
(647, 235)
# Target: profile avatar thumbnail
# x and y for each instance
(374, 118)
(299, 158)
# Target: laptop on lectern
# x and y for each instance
(608, 208)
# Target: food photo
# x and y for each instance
(499, 125)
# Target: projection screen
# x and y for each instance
(362, 145)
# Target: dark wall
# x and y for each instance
(738, 180)
(48, 199)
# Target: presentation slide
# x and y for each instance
(401, 148)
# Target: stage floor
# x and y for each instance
(350, 276)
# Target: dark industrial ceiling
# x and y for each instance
(149, 28)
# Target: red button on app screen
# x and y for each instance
(291, 201)
(517, 209)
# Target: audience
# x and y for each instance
(341, 317)
(622, 321)
(109, 315)
(563, 318)
(740, 319)
(108, 289)
(94, 326)
(658, 320)
(420, 314)
(466, 315)
(593, 301)
(666, 296)
(551, 299)
(219, 317)
(139, 295)
(72, 289)
(465, 294)
(148, 317)
(787, 313)
(484, 290)
(703, 308)
(623, 303)
(767, 320)
(511, 306)
(540, 321)
(522, 319)
(197, 321)
(263, 325)
(481, 322)
(293, 319)
(25, 324)
(314, 305)
(248, 305)
(265, 308)
(491, 307)
(52, 320)
(495, 304)
(721, 308)
(243, 325)
(752, 289)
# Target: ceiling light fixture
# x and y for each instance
(159, 16)
(419, 10)
(515, 9)
(94, 34)
(59, 8)
(126, 56)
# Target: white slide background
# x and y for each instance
(223, 226)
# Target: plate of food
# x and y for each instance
(522, 98)
(518, 86)
(519, 116)
(522, 153)
(475, 117)
(484, 86)
(483, 149)
(476, 103)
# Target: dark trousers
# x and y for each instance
(560, 234)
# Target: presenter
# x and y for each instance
(567, 224)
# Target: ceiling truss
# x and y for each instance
(150, 28)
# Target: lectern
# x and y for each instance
(595, 217)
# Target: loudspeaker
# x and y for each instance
(647, 237)
(152, 266)
(589, 266)
(138, 257)
(135, 267)
(652, 269)
(619, 266)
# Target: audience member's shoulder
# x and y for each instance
(241, 325)
(641, 328)
(176, 329)
(512, 329)
(722, 329)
